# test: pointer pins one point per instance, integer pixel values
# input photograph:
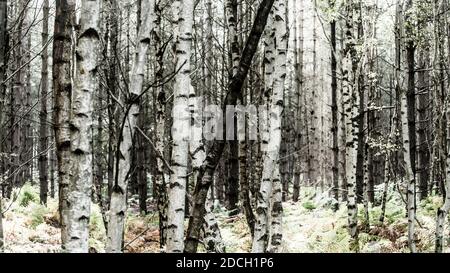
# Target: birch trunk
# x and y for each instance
(214, 154)
(409, 175)
(161, 142)
(350, 98)
(118, 205)
(442, 214)
(62, 90)
(271, 181)
(183, 12)
(277, 100)
(79, 189)
(261, 235)
(1, 226)
(3, 67)
(408, 125)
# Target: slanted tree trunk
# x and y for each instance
(215, 152)
(43, 139)
(118, 204)
(62, 91)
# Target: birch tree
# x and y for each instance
(408, 125)
(3, 33)
(271, 181)
(79, 189)
(183, 12)
(118, 203)
(350, 97)
(215, 152)
(62, 90)
(442, 213)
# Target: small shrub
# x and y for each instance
(27, 198)
(309, 205)
(37, 215)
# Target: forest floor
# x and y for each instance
(309, 226)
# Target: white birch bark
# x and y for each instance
(79, 193)
(442, 214)
(281, 42)
(1, 228)
(261, 235)
(351, 103)
(183, 12)
(118, 205)
(409, 175)
(271, 184)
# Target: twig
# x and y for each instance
(159, 154)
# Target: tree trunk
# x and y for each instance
(81, 181)
(161, 142)
(118, 205)
(3, 67)
(334, 113)
(423, 158)
(298, 56)
(442, 214)
(111, 75)
(409, 126)
(62, 88)
(233, 145)
(43, 153)
(215, 152)
(271, 181)
(183, 13)
(350, 96)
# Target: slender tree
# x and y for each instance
(62, 90)
(3, 46)
(118, 203)
(350, 97)
(79, 189)
(183, 14)
(43, 140)
(214, 154)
